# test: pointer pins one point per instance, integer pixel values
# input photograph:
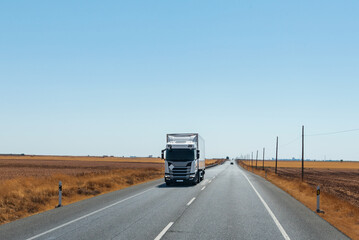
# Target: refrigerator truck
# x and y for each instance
(184, 158)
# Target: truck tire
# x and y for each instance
(195, 180)
(202, 175)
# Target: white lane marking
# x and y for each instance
(281, 229)
(214, 177)
(189, 203)
(209, 181)
(203, 188)
(204, 182)
(87, 215)
(163, 232)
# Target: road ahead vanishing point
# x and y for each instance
(230, 203)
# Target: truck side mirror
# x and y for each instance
(198, 154)
(163, 154)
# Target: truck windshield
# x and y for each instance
(179, 155)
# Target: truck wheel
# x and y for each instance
(202, 175)
(195, 180)
(198, 178)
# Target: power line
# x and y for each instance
(288, 143)
(330, 133)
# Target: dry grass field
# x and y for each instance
(214, 161)
(339, 182)
(29, 184)
(80, 158)
(34, 167)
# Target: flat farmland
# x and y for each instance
(80, 158)
(46, 166)
(307, 164)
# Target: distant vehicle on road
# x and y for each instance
(184, 157)
(231, 163)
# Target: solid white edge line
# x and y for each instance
(163, 232)
(189, 203)
(203, 188)
(87, 215)
(281, 229)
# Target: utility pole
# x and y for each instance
(256, 159)
(263, 156)
(276, 157)
(252, 161)
(302, 152)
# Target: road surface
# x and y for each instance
(230, 203)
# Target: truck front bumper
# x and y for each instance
(174, 179)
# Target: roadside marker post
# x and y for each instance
(263, 156)
(252, 161)
(302, 153)
(60, 194)
(276, 156)
(318, 200)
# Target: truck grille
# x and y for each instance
(181, 171)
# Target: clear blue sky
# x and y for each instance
(113, 77)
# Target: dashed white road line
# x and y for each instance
(189, 203)
(204, 182)
(163, 232)
(209, 181)
(281, 229)
(203, 188)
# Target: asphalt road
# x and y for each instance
(230, 203)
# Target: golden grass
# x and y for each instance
(81, 158)
(213, 161)
(307, 164)
(338, 212)
(23, 197)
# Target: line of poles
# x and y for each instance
(251, 159)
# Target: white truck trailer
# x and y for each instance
(184, 157)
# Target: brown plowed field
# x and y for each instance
(340, 179)
(307, 164)
(343, 183)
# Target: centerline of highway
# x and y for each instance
(163, 232)
(189, 203)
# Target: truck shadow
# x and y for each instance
(177, 185)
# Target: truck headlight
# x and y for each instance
(167, 176)
(192, 175)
